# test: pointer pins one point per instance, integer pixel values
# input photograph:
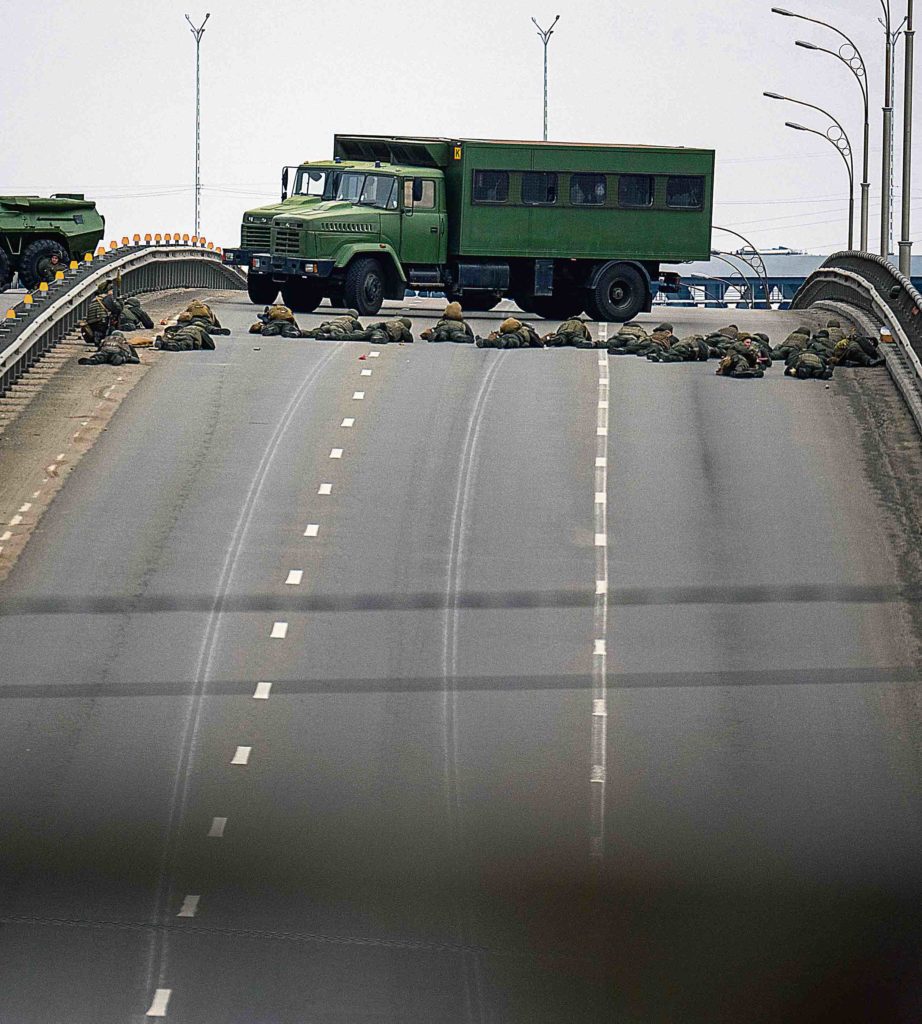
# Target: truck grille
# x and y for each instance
(255, 236)
(287, 242)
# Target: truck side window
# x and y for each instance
(491, 186)
(635, 190)
(685, 192)
(539, 188)
(587, 189)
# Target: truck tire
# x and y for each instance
(301, 296)
(363, 289)
(37, 254)
(6, 271)
(261, 289)
(618, 296)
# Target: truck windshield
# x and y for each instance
(310, 182)
(378, 190)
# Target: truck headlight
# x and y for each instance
(310, 268)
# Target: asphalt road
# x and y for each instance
(492, 765)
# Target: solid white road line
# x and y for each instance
(600, 587)
(241, 755)
(217, 828)
(325, 489)
(189, 906)
(601, 462)
(312, 529)
(601, 540)
(279, 631)
(357, 396)
(294, 577)
(336, 453)
(600, 497)
(159, 1004)
(262, 691)
(599, 647)
(349, 421)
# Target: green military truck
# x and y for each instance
(32, 229)
(559, 227)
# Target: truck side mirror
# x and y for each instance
(284, 184)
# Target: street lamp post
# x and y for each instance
(757, 263)
(835, 135)
(850, 55)
(545, 35)
(198, 33)
(887, 172)
(905, 240)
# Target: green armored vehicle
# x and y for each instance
(559, 227)
(32, 229)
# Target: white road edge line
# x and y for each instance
(599, 720)
(241, 755)
(262, 691)
(159, 1004)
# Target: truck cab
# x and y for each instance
(355, 232)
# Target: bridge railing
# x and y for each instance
(38, 326)
(876, 287)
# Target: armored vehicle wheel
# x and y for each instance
(363, 289)
(618, 296)
(553, 307)
(477, 302)
(6, 271)
(35, 259)
(301, 296)
(261, 289)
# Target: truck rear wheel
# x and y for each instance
(618, 296)
(261, 289)
(6, 271)
(36, 258)
(363, 289)
(301, 296)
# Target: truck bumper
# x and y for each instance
(290, 266)
(237, 257)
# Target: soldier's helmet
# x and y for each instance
(184, 317)
(453, 311)
(406, 321)
(354, 313)
(103, 287)
(665, 328)
(280, 313)
(510, 325)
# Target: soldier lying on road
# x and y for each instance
(114, 350)
(452, 327)
(687, 350)
(338, 329)
(203, 315)
(573, 333)
(512, 333)
(276, 322)
(185, 337)
(807, 365)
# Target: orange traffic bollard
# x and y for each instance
(27, 299)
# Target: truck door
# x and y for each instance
(424, 238)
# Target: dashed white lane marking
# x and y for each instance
(217, 828)
(262, 691)
(325, 489)
(241, 755)
(294, 577)
(312, 530)
(16, 520)
(189, 906)
(60, 458)
(159, 1004)
(374, 354)
(336, 453)
(279, 631)
(357, 396)
(77, 436)
(25, 507)
(52, 470)
(366, 373)
(35, 494)
(599, 720)
(349, 421)
(6, 535)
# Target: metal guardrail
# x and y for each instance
(876, 287)
(143, 268)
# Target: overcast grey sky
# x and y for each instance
(98, 96)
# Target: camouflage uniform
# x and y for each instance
(345, 327)
(689, 350)
(114, 349)
(573, 332)
(47, 268)
(101, 316)
(855, 352)
(796, 341)
(185, 337)
(452, 327)
(203, 315)
(629, 338)
(387, 331)
(806, 365)
(274, 322)
(740, 363)
(512, 334)
(132, 317)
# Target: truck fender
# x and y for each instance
(602, 267)
(384, 252)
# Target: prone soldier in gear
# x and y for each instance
(102, 314)
(132, 316)
(114, 349)
(692, 349)
(397, 331)
(276, 322)
(203, 315)
(512, 333)
(628, 339)
(452, 327)
(185, 336)
(340, 328)
(856, 351)
(572, 332)
(807, 365)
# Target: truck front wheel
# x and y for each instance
(6, 271)
(301, 296)
(35, 263)
(363, 289)
(618, 296)
(261, 289)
